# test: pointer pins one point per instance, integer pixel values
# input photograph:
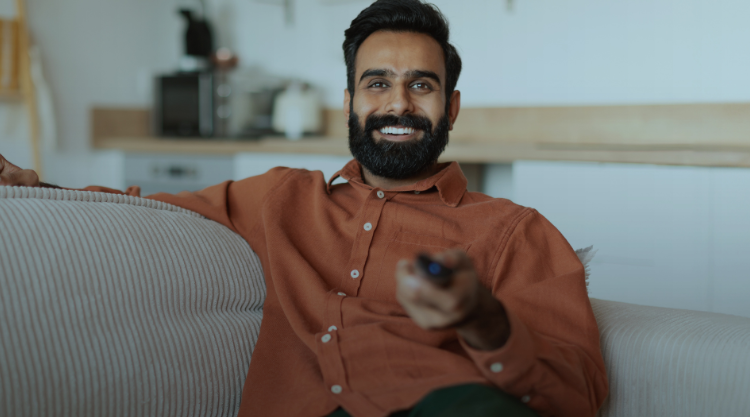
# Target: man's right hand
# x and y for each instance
(13, 175)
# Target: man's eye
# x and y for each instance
(421, 86)
(378, 85)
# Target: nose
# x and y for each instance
(399, 102)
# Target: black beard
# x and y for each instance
(397, 160)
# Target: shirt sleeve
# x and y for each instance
(552, 360)
(235, 204)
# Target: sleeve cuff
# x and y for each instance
(512, 361)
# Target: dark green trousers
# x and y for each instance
(471, 400)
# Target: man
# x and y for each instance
(351, 323)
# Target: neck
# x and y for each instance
(388, 183)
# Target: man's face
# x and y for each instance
(398, 124)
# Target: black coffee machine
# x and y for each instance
(199, 39)
(185, 102)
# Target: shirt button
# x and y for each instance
(381, 194)
(343, 294)
(332, 328)
(326, 338)
(355, 274)
(368, 226)
(496, 367)
(525, 399)
(336, 389)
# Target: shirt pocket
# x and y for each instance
(405, 245)
(430, 244)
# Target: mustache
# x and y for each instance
(375, 122)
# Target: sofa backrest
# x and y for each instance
(664, 362)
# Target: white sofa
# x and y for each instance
(122, 306)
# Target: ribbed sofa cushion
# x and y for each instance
(664, 362)
(121, 306)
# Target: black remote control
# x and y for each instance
(436, 272)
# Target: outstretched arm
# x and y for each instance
(529, 329)
(235, 204)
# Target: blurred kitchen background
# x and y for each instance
(626, 123)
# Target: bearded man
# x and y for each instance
(352, 325)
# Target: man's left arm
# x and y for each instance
(532, 332)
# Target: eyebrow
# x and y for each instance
(409, 74)
(423, 74)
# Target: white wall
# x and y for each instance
(542, 53)
(101, 52)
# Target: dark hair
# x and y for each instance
(402, 16)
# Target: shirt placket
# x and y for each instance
(369, 221)
(327, 341)
(335, 379)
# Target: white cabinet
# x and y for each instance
(730, 241)
(667, 236)
(174, 173)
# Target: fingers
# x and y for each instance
(13, 175)
(415, 288)
(23, 177)
(433, 307)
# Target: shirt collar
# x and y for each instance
(449, 181)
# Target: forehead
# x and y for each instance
(400, 52)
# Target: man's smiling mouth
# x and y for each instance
(395, 130)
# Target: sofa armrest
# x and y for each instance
(668, 362)
(121, 306)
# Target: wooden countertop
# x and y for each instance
(709, 134)
(730, 155)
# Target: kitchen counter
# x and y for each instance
(464, 151)
(711, 134)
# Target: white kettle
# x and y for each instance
(297, 111)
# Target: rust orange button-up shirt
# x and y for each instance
(333, 334)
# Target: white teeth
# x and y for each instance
(396, 131)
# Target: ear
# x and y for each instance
(454, 108)
(347, 101)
